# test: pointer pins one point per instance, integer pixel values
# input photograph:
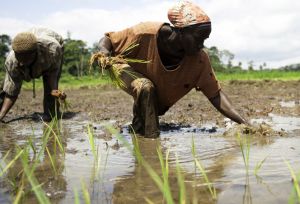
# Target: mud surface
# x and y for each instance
(273, 106)
(252, 99)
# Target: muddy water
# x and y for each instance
(121, 180)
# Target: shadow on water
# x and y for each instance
(122, 180)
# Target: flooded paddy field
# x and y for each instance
(91, 158)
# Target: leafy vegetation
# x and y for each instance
(77, 55)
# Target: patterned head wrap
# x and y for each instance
(186, 13)
(24, 42)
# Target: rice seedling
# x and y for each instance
(296, 188)
(149, 201)
(164, 164)
(113, 65)
(95, 151)
(36, 187)
(162, 183)
(53, 161)
(180, 180)
(49, 136)
(19, 194)
(244, 144)
(51, 131)
(85, 192)
(11, 163)
(29, 163)
(259, 165)
(247, 197)
(76, 197)
(32, 145)
(92, 141)
(105, 163)
(61, 97)
(202, 170)
(4, 170)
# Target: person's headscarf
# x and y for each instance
(24, 42)
(186, 13)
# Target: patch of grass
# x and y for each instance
(71, 82)
(259, 75)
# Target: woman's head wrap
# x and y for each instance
(24, 42)
(186, 13)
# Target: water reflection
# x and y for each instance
(137, 186)
(122, 180)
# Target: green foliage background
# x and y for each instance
(77, 54)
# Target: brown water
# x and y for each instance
(122, 180)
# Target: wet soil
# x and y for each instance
(252, 99)
(193, 118)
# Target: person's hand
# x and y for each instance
(101, 59)
(59, 94)
(105, 61)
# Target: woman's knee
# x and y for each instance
(143, 84)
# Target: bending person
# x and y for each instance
(36, 53)
(178, 64)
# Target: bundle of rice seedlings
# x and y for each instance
(112, 65)
(61, 98)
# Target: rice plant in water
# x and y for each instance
(29, 172)
(95, 151)
(180, 180)
(244, 143)
(76, 197)
(85, 192)
(10, 164)
(202, 170)
(61, 98)
(30, 157)
(162, 183)
(25, 180)
(296, 188)
(259, 165)
(53, 144)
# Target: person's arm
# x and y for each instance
(105, 46)
(224, 106)
(8, 103)
(11, 86)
